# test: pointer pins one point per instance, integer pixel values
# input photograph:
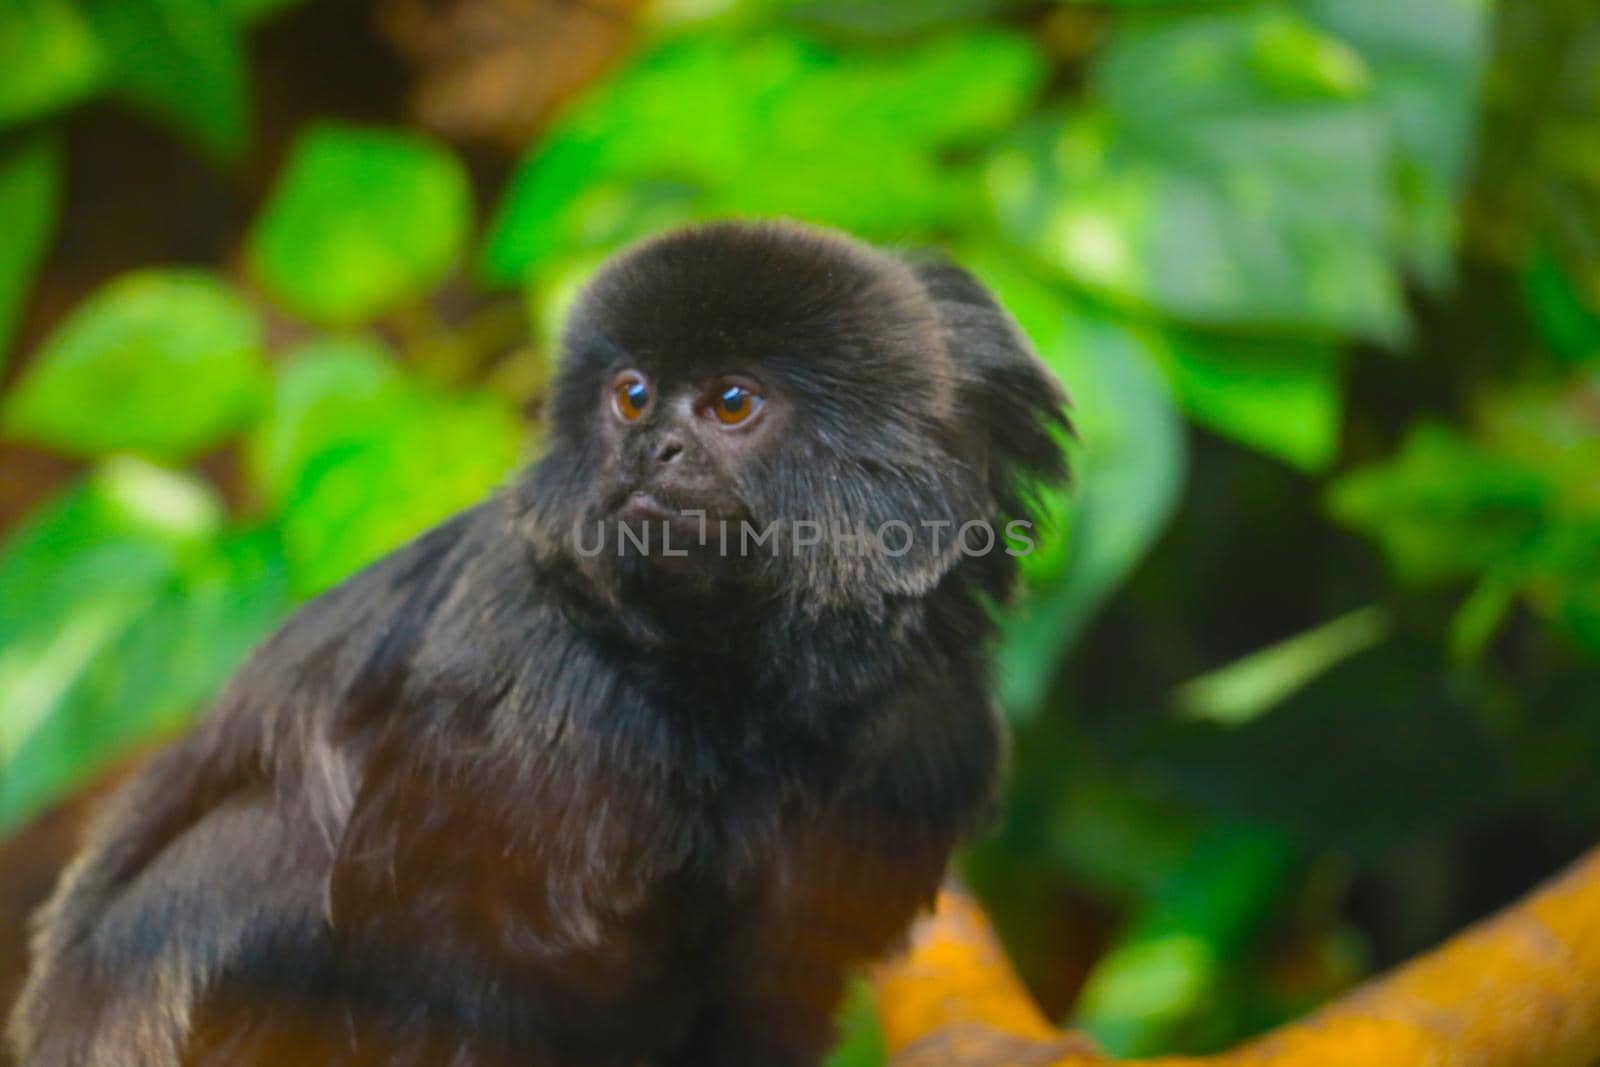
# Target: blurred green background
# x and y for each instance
(1308, 675)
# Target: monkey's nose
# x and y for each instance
(669, 450)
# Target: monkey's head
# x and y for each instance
(769, 412)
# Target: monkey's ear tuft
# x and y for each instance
(1015, 405)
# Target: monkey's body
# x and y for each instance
(490, 803)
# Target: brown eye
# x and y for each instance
(630, 394)
(735, 404)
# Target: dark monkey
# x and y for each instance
(525, 794)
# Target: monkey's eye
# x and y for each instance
(734, 405)
(630, 395)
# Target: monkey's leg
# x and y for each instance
(119, 985)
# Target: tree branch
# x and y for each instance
(1521, 989)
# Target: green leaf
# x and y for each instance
(1252, 686)
(1513, 508)
(158, 672)
(1112, 833)
(1279, 396)
(49, 58)
(181, 60)
(1427, 59)
(361, 221)
(1233, 177)
(572, 192)
(1155, 990)
(122, 607)
(359, 458)
(323, 393)
(1445, 508)
(75, 573)
(834, 137)
(429, 458)
(1480, 616)
(1568, 317)
(165, 363)
(550, 302)
(1128, 470)
(854, 144)
(30, 193)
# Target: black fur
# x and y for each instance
(496, 802)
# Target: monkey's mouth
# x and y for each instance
(675, 504)
(666, 527)
(644, 506)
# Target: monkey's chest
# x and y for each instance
(584, 893)
(572, 903)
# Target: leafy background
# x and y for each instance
(1308, 674)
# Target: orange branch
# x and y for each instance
(1519, 990)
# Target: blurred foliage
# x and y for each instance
(162, 364)
(1166, 981)
(361, 222)
(182, 61)
(1514, 508)
(1254, 685)
(29, 183)
(815, 132)
(360, 457)
(127, 603)
(1305, 673)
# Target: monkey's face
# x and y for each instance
(678, 448)
(775, 409)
